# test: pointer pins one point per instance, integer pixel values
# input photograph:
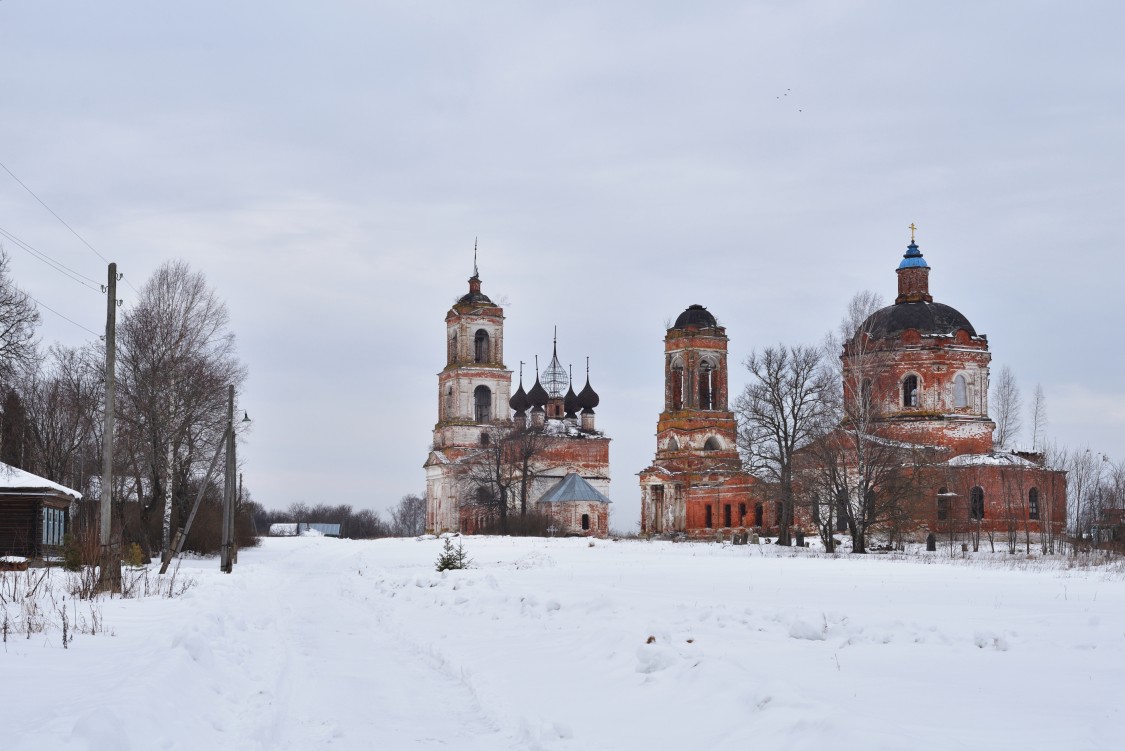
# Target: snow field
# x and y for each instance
(553, 644)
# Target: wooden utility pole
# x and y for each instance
(228, 489)
(109, 573)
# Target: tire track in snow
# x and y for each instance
(345, 679)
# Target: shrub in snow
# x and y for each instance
(452, 558)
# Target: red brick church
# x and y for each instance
(918, 369)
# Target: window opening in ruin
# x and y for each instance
(741, 514)
(1033, 503)
(483, 494)
(712, 444)
(453, 347)
(758, 514)
(658, 507)
(480, 348)
(677, 386)
(841, 512)
(910, 391)
(960, 391)
(976, 503)
(673, 444)
(865, 397)
(708, 522)
(585, 521)
(482, 400)
(726, 515)
(449, 403)
(485, 439)
(706, 385)
(942, 504)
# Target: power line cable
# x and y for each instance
(63, 269)
(61, 220)
(60, 315)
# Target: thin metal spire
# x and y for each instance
(475, 272)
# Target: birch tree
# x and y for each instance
(1006, 407)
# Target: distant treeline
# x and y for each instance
(406, 519)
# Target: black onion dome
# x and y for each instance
(519, 401)
(587, 397)
(929, 318)
(570, 402)
(696, 316)
(538, 395)
(476, 298)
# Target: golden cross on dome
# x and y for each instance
(912, 228)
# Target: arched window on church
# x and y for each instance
(712, 444)
(453, 348)
(1033, 503)
(976, 503)
(485, 439)
(449, 403)
(481, 351)
(960, 391)
(482, 403)
(677, 385)
(673, 444)
(910, 391)
(943, 504)
(706, 385)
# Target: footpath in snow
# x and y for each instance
(555, 644)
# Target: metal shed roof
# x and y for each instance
(573, 488)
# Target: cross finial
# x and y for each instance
(912, 229)
(475, 273)
(587, 367)
(521, 371)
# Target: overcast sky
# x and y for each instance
(328, 165)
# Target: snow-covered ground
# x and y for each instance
(553, 644)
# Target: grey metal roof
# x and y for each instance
(928, 317)
(573, 488)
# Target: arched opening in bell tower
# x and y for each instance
(482, 404)
(481, 352)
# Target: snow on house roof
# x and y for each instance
(573, 488)
(14, 478)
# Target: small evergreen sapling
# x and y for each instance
(453, 559)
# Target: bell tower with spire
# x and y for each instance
(473, 394)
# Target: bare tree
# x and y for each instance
(498, 477)
(18, 320)
(1084, 480)
(176, 356)
(782, 410)
(1038, 418)
(408, 518)
(1006, 406)
(860, 473)
(62, 403)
